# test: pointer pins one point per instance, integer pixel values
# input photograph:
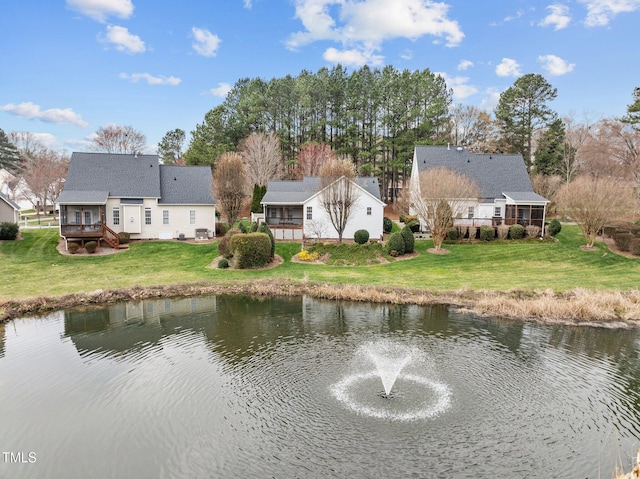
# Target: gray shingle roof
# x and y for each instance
(297, 192)
(9, 202)
(525, 196)
(93, 177)
(493, 173)
(189, 185)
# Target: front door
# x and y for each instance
(132, 218)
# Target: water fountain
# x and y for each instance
(418, 396)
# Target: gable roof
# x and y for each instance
(9, 202)
(287, 192)
(95, 177)
(186, 185)
(493, 173)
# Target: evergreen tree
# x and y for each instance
(9, 155)
(170, 147)
(633, 111)
(549, 154)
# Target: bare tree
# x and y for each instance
(263, 158)
(472, 127)
(119, 139)
(441, 196)
(311, 158)
(338, 195)
(44, 172)
(230, 185)
(592, 201)
(546, 186)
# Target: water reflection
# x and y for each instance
(238, 386)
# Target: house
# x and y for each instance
(507, 196)
(293, 209)
(106, 194)
(16, 189)
(9, 210)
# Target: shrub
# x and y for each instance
(223, 263)
(387, 225)
(409, 240)
(395, 245)
(406, 219)
(503, 232)
(242, 227)
(308, 256)
(251, 250)
(91, 246)
(414, 225)
(623, 241)
(124, 237)
(224, 247)
(264, 228)
(9, 231)
(221, 228)
(73, 248)
(516, 232)
(453, 234)
(487, 233)
(361, 236)
(554, 227)
(532, 231)
(635, 247)
(254, 226)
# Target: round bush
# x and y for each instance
(487, 233)
(73, 248)
(9, 231)
(516, 232)
(224, 247)
(554, 227)
(91, 246)
(395, 244)
(409, 240)
(361, 236)
(452, 234)
(387, 225)
(223, 263)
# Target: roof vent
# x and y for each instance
(175, 179)
(459, 148)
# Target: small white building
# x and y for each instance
(507, 195)
(9, 210)
(106, 194)
(293, 209)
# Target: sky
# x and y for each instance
(69, 67)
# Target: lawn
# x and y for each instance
(32, 267)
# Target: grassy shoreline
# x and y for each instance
(535, 281)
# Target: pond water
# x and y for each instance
(233, 386)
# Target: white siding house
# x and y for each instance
(293, 210)
(106, 194)
(506, 193)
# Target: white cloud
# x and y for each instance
(559, 17)
(459, 85)
(491, 100)
(206, 43)
(151, 79)
(554, 65)
(508, 68)
(221, 90)
(58, 116)
(354, 57)
(407, 54)
(601, 12)
(517, 15)
(465, 65)
(362, 26)
(101, 9)
(123, 40)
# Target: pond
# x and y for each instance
(234, 386)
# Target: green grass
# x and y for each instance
(352, 254)
(32, 267)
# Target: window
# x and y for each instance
(192, 217)
(497, 211)
(470, 212)
(116, 216)
(87, 217)
(77, 217)
(309, 212)
(147, 216)
(368, 210)
(273, 212)
(165, 217)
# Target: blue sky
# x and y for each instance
(72, 66)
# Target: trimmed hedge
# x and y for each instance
(223, 263)
(409, 240)
(9, 231)
(503, 232)
(124, 237)
(73, 248)
(516, 232)
(264, 228)
(635, 247)
(487, 233)
(251, 250)
(453, 234)
(91, 246)
(554, 227)
(395, 244)
(361, 236)
(623, 241)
